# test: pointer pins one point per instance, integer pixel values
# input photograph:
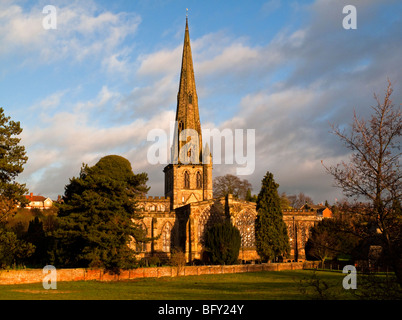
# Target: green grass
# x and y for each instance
(268, 285)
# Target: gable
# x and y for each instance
(192, 198)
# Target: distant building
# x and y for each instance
(299, 223)
(38, 202)
(321, 210)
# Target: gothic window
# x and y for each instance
(199, 180)
(186, 180)
(290, 233)
(166, 235)
(141, 246)
(181, 126)
(207, 219)
(304, 235)
(245, 222)
(190, 99)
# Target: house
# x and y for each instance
(321, 210)
(38, 202)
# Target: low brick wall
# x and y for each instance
(37, 275)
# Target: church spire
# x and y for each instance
(187, 114)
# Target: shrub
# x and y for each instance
(222, 243)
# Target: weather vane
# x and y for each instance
(186, 12)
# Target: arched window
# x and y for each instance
(245, 222)
(166, 236)
(190, 99)
(181, 126)
(186, 180)
(141, 246)
(199, 180)
(207, 219)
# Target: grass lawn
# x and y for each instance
(269, 285)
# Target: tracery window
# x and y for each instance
(141, 246)
(245, 222)
(207, 219)
(199, 180)
(166, 237)
(181, 126)
(186, 180)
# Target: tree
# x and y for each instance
(297, 201)
(373, 173)
(37, 237)
(222, 243)
(249, 197)
(285, 202)
(13, 250)
(98, 218)
(230, 184)
(12, 159)
(271, 235)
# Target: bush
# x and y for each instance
(222, 243)
(178, 260)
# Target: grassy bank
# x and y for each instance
(269, 285)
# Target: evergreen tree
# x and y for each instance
(12, 159)
(271, 235)
(222, 243)
(36, 236)
(98, 219)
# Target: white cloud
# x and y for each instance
(81, 32)
(58, 146)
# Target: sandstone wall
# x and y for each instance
(37, 275)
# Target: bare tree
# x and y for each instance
(373, 172)
(230, 184)
(297, 201)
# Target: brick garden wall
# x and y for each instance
(37, 275)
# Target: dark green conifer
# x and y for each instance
(271, 235)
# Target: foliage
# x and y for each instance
(230, 184)
(222, 243)
(299, 200)
(378, 287)
(178, 260)
(330, 238)
(249, 197)
(373, 174)
(12, 159)
(37, 237)
(97, 219)
(316, 288)
(271, 235)
(12, 250)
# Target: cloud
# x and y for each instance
(289, 89)
(57, 146)
(83, 32)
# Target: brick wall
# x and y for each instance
(36, 275)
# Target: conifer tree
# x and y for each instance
(222, 243)
(271, 235)
(98, 218)
(12, 159)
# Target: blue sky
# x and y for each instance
(109, 74)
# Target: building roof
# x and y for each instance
(32, 198)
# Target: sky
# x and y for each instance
(109, 74)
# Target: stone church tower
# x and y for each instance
(189, 177)
(180, 218)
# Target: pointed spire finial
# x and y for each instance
(186, 12)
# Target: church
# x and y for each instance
(178, 220)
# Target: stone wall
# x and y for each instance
(36, 275)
